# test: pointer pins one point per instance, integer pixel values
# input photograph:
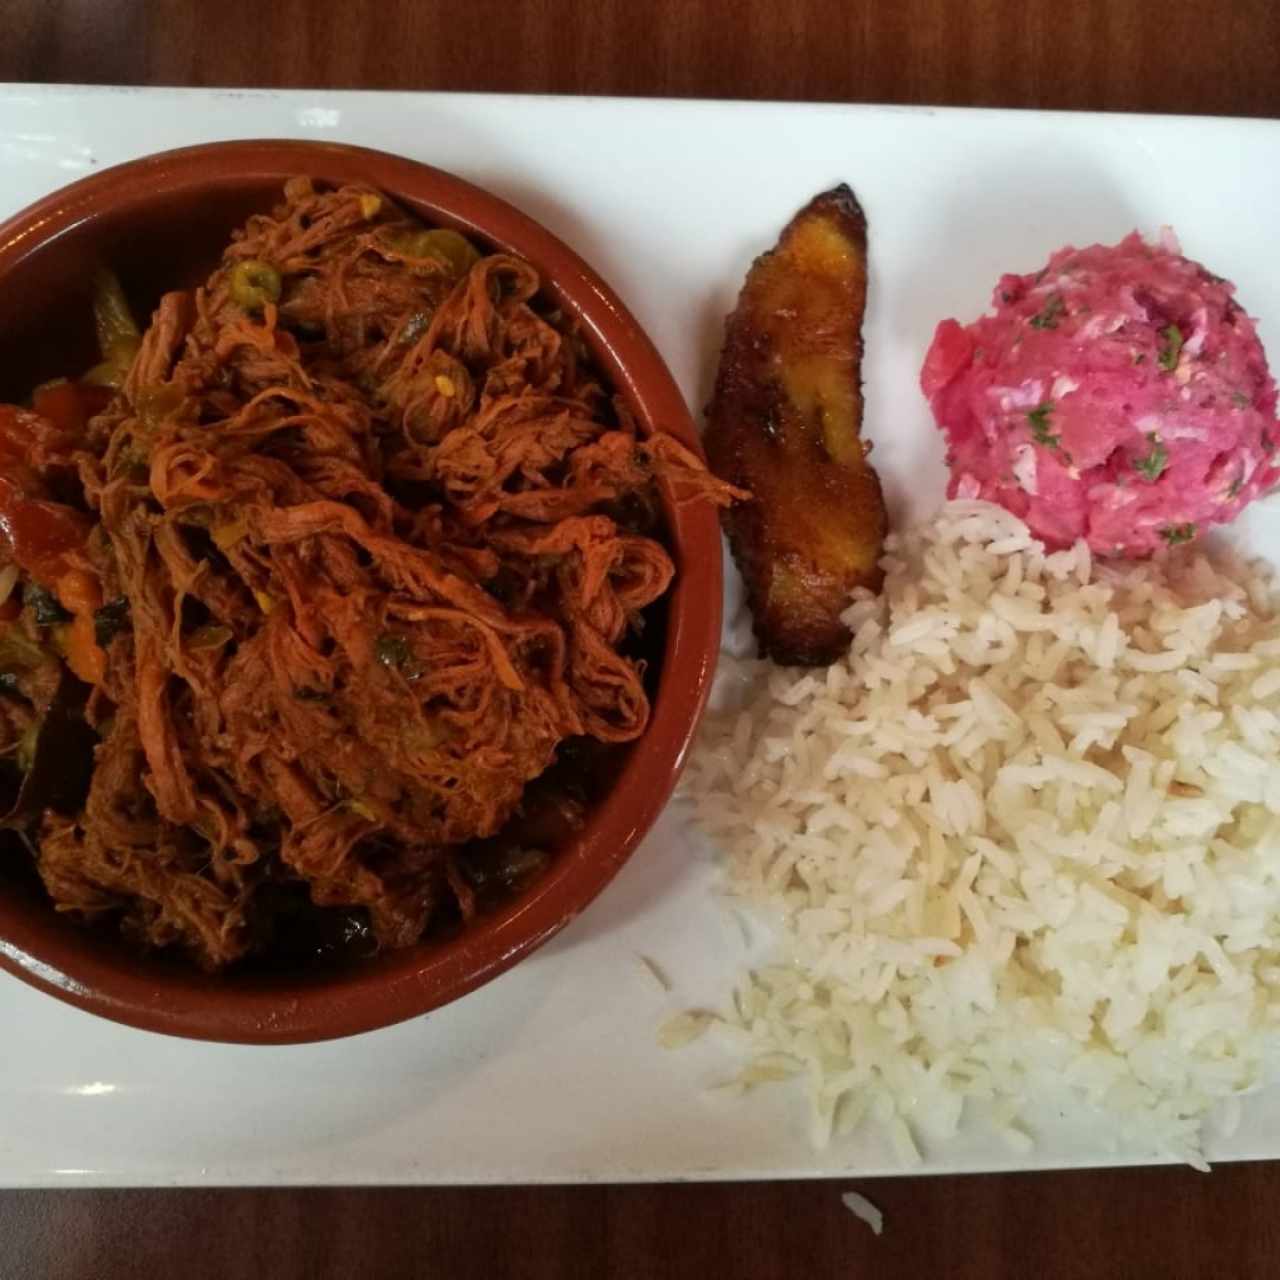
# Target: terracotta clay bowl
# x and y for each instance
(161, 223)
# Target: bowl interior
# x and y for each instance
(163, 226)
(152, 244)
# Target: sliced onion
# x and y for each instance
(8, 580)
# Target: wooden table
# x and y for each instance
(1135, 55)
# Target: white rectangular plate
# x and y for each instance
(552, 1072)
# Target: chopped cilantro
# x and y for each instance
(110, 619)
(44, 605)
(392, 650)
(1048, 317)
(1175, 533)
(1040, 427)
(1152, 466)
(1240, 400)
(415, 326)
(1172, 349)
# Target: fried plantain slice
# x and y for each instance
(785, 422)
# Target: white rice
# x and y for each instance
(1027, 832)
(861, 1207)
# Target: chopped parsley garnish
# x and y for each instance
(1048, 317)
(1240, 400)
(1172, 349)
(1041, 431)
(1176, 533)
(1152, 466)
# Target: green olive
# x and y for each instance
(254, 284)
(454, 252)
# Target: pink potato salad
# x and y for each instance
(1120, 395)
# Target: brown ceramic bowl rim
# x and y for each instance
(45, 953)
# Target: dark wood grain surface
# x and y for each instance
(1155, 55)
